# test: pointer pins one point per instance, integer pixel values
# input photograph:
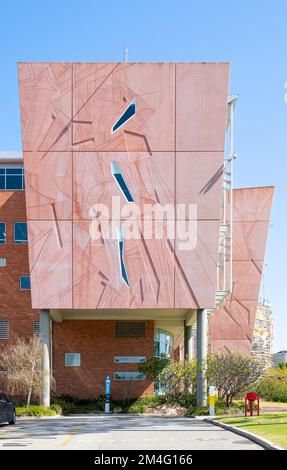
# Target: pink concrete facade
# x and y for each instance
(171, 150)
(232, 324)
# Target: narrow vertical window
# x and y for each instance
(116, 172)
(2, 233)
(124, 274)
(129, 112)
(20, 233)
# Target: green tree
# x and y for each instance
(282, 365)
(232, 373)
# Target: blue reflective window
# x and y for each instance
(124, 273)
(126, 116)
(2, 233)
(25, 283)
(20, 233)
(129, 376)
(116, 172)
(12, 178)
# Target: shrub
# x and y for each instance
(273, 385)
(35, 410)
(232, 373)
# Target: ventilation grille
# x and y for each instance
(128, 329)
(4, 329)
(36, 327)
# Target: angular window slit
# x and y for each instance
(129, 112)
(116, 172)
(124, 274)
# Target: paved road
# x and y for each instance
(116, 432)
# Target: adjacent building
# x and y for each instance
(124, 207)
(262, 342)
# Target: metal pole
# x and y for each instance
(231, 192)
(126, 54)
(201, 348)
(45, 341)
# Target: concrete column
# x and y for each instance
(187, 341)
(45, 340)
(201, 353)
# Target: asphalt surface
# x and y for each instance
(114, 432)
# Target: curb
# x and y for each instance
(267, 445)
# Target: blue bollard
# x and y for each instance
(108, 394)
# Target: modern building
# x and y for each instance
(263, 335)
(135, 234)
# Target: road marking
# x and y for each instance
(70, 436)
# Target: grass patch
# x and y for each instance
(271, 426)
(273, 403)
(35, 410)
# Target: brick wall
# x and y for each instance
(95, 340)
(15, 305)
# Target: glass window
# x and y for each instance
(124, 274)
(162, 343)
(20, 232)
(129, 376)
(12, 178)
(25, 283)
(129, 112)
(72, 359)
(130, 359)
(116, 172)
(2, 262)
(2, 233)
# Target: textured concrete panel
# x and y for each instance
(101, 94)
(48, 183)
(50, 262)
(201, 106)
(195, 281)
(231, 326)
(149, 178)
(97, 274)
(46, 105)
(204, 188)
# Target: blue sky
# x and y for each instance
(250, 34)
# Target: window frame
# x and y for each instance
(75, 353)
(5, 225)
(25, 275)
(19, 242)
(130, 372)
(130, 361)
(5, 168)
